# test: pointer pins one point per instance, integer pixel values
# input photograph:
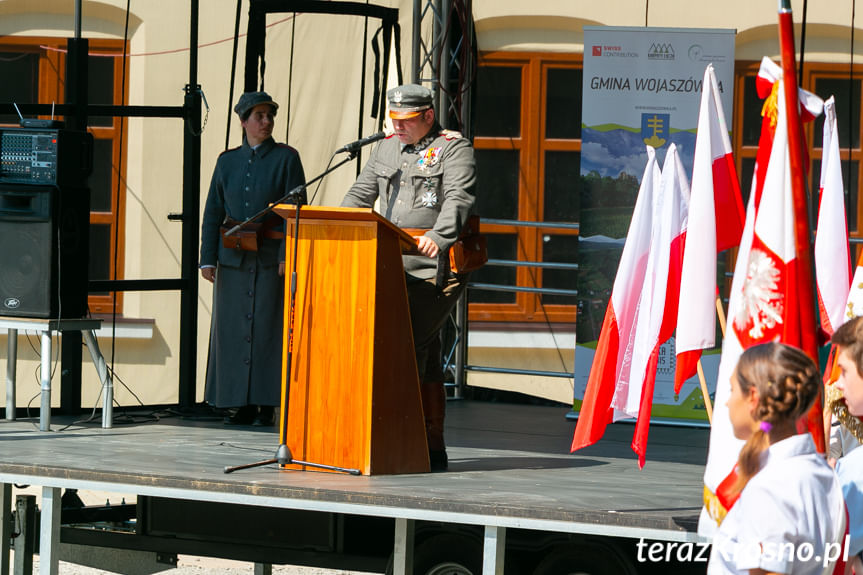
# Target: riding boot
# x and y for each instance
(434, 411)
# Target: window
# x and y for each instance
(39, 68)
(528, 150)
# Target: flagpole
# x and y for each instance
(720, 314)
(708, 405)
(805, 289)
(705, 393)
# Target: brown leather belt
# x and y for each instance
(271, 234)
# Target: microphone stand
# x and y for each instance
(283, 453)
(294, 194)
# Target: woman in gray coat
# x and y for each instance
(244, 363)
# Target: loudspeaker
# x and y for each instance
(44, 251)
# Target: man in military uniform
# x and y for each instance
(245, 361)
(424, 177)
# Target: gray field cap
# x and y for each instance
(251, 99)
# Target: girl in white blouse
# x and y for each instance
(790, 517)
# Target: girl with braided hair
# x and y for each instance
(790, 517)
(849, 339)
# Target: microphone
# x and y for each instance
(354, 146)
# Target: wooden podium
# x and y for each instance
(353, 391)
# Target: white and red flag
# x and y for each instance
(642, 312)
(716, 212)
(832, 260)
(764, 302)
(620, 315)
(839, 299)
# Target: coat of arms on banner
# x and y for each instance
(654, 129)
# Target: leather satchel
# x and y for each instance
(470, 250)
(248, 238)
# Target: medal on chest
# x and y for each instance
(428, 198)
(429, 158)
(429, 193)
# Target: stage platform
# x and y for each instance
(510, 467)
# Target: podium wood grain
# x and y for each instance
(353, 393)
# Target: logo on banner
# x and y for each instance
(696, 51)
(654, 129)
(611, 51)
(661, 51)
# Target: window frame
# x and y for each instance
(532, 146)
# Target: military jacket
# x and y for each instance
(244, 182)
(428, 185)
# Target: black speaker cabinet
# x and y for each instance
(44, 251)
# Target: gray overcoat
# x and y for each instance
(245, 357)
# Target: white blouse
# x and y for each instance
(790, 517)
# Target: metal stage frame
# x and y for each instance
(512, 487)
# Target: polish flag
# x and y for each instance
(763, 306)
(661, 293)
(620, 315)
(642, 312)
(715, 198)
(832, 260)
(831, 248)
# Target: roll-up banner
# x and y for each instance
(641, 86)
